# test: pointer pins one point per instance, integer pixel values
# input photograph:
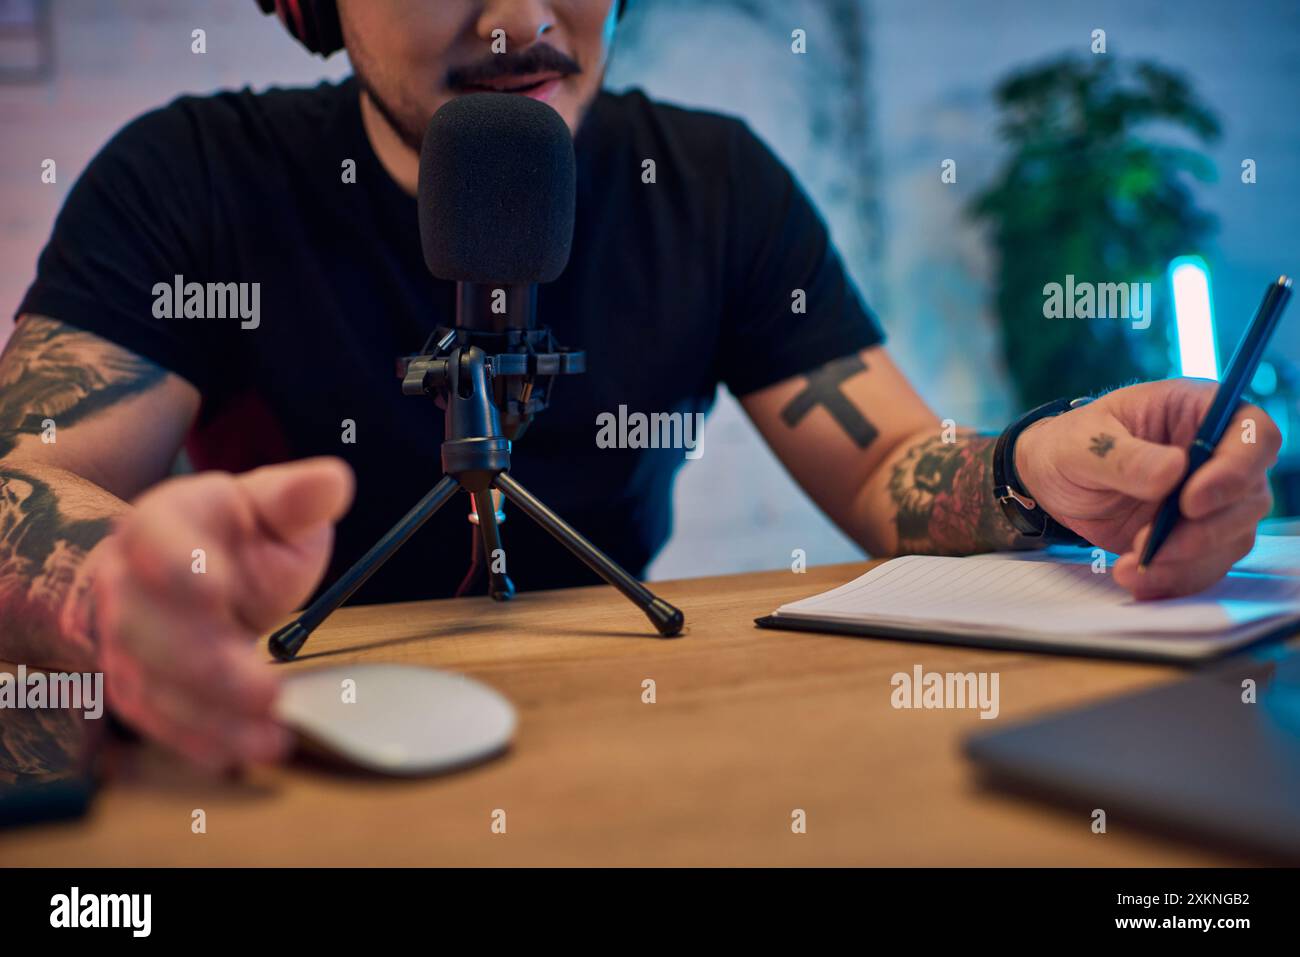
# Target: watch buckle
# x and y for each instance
(1007, 494)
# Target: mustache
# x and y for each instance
(538, 58)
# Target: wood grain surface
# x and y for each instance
(748, 726)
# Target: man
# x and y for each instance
(673, 286)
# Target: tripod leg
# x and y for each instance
(667, 619)
(284, 644)
(500, 587)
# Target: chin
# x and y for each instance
(571, 111)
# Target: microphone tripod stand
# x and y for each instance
(476, 458)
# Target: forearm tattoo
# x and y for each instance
(49, 371)
(40, 548)
(53, 371)
(824, 389)
(943, 492)
(41, 745)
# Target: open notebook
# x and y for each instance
(1054, 601)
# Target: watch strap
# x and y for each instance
(1020, 508)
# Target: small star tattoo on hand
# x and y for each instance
(1101, 444)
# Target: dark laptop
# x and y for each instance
(1190, 756)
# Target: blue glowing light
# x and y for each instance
(1198, 353)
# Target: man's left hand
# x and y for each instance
(1104, 468)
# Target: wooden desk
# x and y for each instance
(749, 724)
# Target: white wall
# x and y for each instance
(737, 508)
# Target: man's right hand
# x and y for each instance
(174, 627)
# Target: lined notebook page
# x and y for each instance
(1051, 598)
(1272, 555)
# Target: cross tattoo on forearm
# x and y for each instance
(824, 390)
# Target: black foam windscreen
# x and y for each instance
(497, 189)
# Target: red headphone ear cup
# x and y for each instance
(291, 13)
(322, 32)
(313, 23)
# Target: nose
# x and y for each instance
(524, 21)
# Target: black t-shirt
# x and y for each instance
(673, 287)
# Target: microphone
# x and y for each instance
(496, 199)
(497, 190)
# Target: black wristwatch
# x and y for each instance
(1021, 510)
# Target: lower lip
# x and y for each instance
(545, 92)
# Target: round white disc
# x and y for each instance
(397, 719)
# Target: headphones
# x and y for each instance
(315, 23)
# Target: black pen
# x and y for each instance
(1240, 371)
